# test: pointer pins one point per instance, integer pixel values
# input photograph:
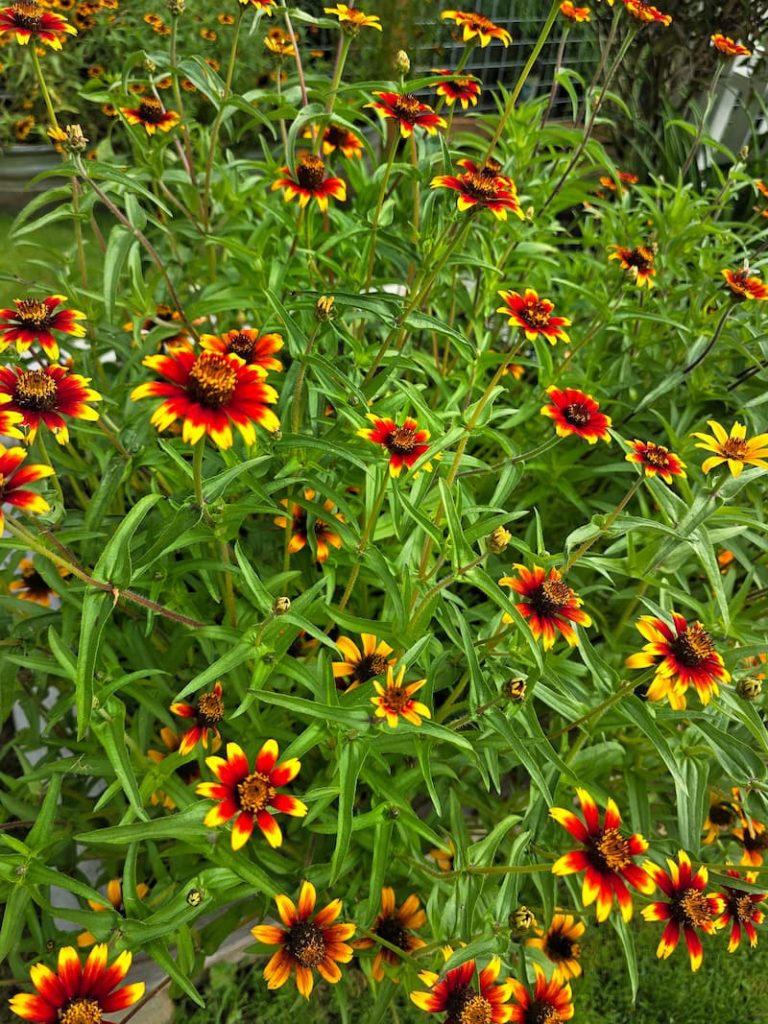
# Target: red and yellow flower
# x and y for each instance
(309, 182)
(186, 773)
(253, 348)
(209, 391)
(727, 46)
(743, 286)
(77, 994)
(682, 655)
(476, 26)
(607, 857)
(551, 1002)
(646, 12)
(13, 483)
(409, 113)
(548, 604)
(463, 998)
(362, 665)
(31, 586)
(251, 796)
(405, 444)
(656, 460)
(352, 18)
(534, 316)
(34, 320)
(29, 20)
(46, 396)
(687, 907)
(741, 910)
(464, 88)
(151, 114)
(482, 187)
(115, 897)
(733, 449)
(573, 13)
(260, 5)
(625, 178)
(207, 713)
(335, 137)
(394, 924)
(324, 535)
(395, 701)
(574, 412)
(753, 837)
(306, 941)
(637, 262)
(721, 816)
(560, 945)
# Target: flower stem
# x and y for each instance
(582, 549)
(338, 71)
(365, 536)
(197, 477)
(43, 87)
(377, 211)
(298, 388)
(720, 324)
(703, 122)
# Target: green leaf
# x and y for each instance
(158, 950)
(351, 759)
(97, 609)
(184, 825)
(114, 564)
(109, 727)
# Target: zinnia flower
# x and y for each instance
(75, 994)
(353, 18)
(394, 925)
(721, 816)
(551, 1002)
(744, 287)
(251, 795)
(260, 5)
(574, 412)
(606, 857)
(27, 19)
(31, 586)
(638, 262)
(476, 26)
(464, 89)
(254, 348)
(740, 910)
(548, 603)
(187, 773)
(687, 907)
(534, 316)
(409, 113)
(727, 46)
(34, 319)
(656, 460)
(568, 10)
(395, 701)
(13, 483)
(734, 449)
(46, 396)
(335, 137)
(151, 115)
(210, 392)
(682, 656)
(625, 178)
(207, 713)
(560, 945)
(115, 897)
(463, 999)
(324, 535)
(483, 187)
(309, 182)
(405, 444)
(362, 665)
(305, 942)
(753, 837)
(646, 12)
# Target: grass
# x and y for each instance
(27, 261)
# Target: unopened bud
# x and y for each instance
(750, 688)
(281, 605)
(514, 690)
(324, 308)
(498, 540)
(402, 62)
(149, 66)
(522, 920)
(71, 139)
(194, 897)
(744, 153)
(176, 7)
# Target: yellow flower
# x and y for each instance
(735, 449)
(353, 19)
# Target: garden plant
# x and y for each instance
(383, 518)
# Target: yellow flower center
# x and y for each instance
(477, 1011)
(611, 850)
(396, 698)
(151, 111)
(82, 1011)
(310, 171)
(306, 944)
(27, 14)
(542, 1013)
(550, 596)
(212, 380)
(254, 793)
(734, 448)
(401, 441)
(33, 313)
(693, 646)
(741, 908)
(210, 709)
(693, 908)
(407, 108)
(35, 390)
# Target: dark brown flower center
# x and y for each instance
(740, 906)
(35, 390)
(481, 184)
(541, 1012)
(641, 259)
(370, 665)
(550, 597)
(610, 851)
(656, 455)
(33, 313)
(151, 111)
(577, 414)
(306, 944)
(408, 108)
(254, 792)
(27, 14)
(212, 380)
(81, 1011)
(35, 584)
(491, 167)
(559, 947)
(722, 814)
(396, 698)
(457, 1002)
(391, 929)
(692, 908)
(336, 136)
(242, 345)
(401, 441)
(535, 314)
(479, 21)
(310, 171)
(756, 841)
(693, 646)
(477, 1011)
(210, 709)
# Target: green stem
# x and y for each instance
(78, 229)
(625, 689)
(177, 99)
(582, 550)
(545, 446)
(43, 87)
(298, 388)
(702, 124)
(45, 457)
(197, 477)
(206, 196)
(338, 71)
(377, 211)
(721, 323)
(365, 536)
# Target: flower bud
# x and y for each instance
(324, 310)
(194, 897)
(522, 920)
(176, 7)
(514, 690)
(498, 540)
(402, 62)
(750, 689)
(71, 138)
(281, 605)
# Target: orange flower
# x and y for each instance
(75, 994)
(686, 908)
(260, 5)
(306, 941)
(324, 535)
(646, 12)
(721, 816)
(362, 665)
(740, 910)
(34, 320)
(409, 113)
(574, 13)
(46, 396)
(13, 482)
(394, 701)
(560, 945)
(251, 796)
(656, 460)
(482, 187)
(27, 19)
(727, 46)
(753, 837)
(151, 115)
(574, 412)
(638, 262)
(465, 89)
(745, 287)
(31, 586)
(254, 348)
(352, 19)
(335, 137)
(207, 713)
(551, 1001)
(548, 603)
(476, 26)
(463, 1000)
(625, 178)
(310, 182)
(405, 444)
(534, 316)
(394, 924)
